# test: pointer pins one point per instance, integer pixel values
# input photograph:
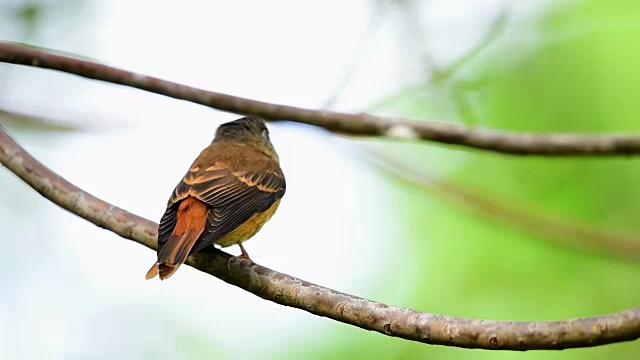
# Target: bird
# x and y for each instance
(230, 191)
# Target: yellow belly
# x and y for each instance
(245, 231)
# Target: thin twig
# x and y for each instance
(290, 291)
(495, 30)
(372, 29)
(352, 124)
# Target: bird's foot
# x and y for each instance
(245, 254)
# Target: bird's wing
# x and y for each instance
(168, 221)
(233, 198)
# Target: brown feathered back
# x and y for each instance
(236, 177)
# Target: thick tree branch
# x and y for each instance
(352, 124)
(290, 291)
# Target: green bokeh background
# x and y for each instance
(580, 73)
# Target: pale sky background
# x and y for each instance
(81, 289)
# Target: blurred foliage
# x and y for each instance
(579, 76)
(30, 15)
(29, 20)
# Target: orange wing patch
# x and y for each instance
(191, 219)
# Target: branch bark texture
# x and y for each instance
(516, 143)
(291, 291)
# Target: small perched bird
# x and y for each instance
(230, 191)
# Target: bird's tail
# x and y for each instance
(190, 223)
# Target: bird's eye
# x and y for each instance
(265, 133)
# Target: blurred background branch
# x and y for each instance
(352, 124)
(564, 232)
(496, 29)
(359, 55)
(21, 120)
(290, 291)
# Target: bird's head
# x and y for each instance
(249, 130)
